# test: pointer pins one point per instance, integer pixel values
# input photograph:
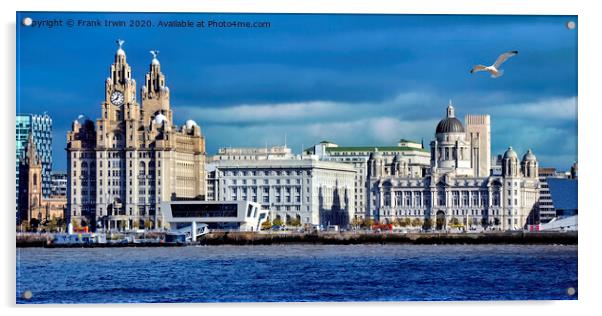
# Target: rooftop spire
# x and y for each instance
(450, 110)
(31, 155)
(120, 43)
(155, 53)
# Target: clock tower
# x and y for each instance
(120, 105)
(136, 158)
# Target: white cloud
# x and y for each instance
(247, 113)
(310, 111)
(543, 125)
(553, 108)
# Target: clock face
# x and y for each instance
(117, 98)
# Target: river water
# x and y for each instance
(280, 273)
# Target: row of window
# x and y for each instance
(419, 199)
(450, 153)
(266, 190)
(421, 212)
(265, 181)
(266, 199)
(265, 173)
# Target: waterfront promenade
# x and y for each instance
(357, 237)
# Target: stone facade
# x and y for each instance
(410, 157)
(478, 132)
(450, 193)
(315, 192)
(133, 157)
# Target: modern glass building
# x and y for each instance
(59, 183)
(41, 128)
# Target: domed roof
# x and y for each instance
(160, 118)
(529, 156)
(82, 119)
(510, 153)
(190, 124)
(84, 122)
(450, 124)
(155, 61)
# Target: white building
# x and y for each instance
(450, 192)
(478, 133)
(314, 192)
(411, 156)
(231, 215)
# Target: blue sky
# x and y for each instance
(352, 79)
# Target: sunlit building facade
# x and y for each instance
(133, 157)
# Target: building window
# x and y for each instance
(455, 198)
(441, 199)
(496, 199)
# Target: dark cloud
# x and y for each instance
(351, 78)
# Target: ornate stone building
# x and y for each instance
(450, 192)
(33, 208)
(134, 157)
(409, 156)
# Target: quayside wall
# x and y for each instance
(252, 238)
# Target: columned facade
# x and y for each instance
(450, 195)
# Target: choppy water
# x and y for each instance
(297, 273)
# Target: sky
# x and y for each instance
(356, 80)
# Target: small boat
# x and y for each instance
(79, 239)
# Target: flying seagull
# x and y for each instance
(494, 69)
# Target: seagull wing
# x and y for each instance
(500, 60)
(477, 68)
